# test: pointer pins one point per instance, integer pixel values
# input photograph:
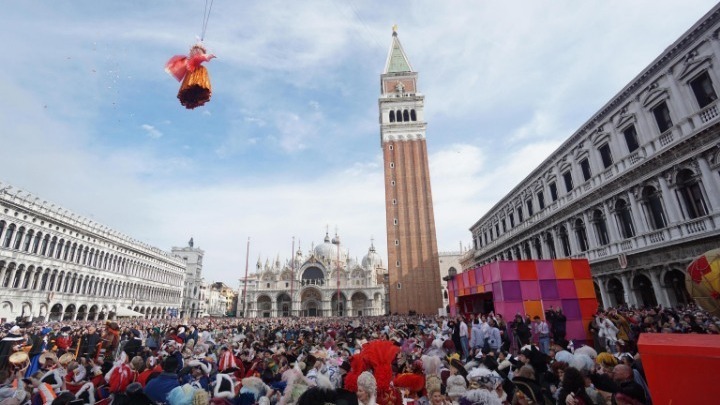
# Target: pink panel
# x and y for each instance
(494, 271)
(479, 275)
(530, 290)
(567, 289)
(511, 291)
(547, 304)
(486, 274)
(513, 308)
(466, 279)
(498, 292)
(509, 270)
(571, 309)
(471, 278)
(545, 269)
(548, 289)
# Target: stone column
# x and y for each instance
(590, 232)
(710, 184)
(602, 283)
(19, 275)
(572, 238)
(670, 201)
(637, 215)
(627, 290)
(611, 223)
(11, 278)
(3, 270)
(660, 292)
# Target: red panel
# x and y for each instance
(581, 269)
(563, 269)
(588, 307)
(471, 278)
(509, 270)
(671, 361)
(585, 288)
(526, 270)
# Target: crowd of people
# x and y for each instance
(468, 359)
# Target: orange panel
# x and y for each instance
(585, 288)
(680, 360)
(534, 308)
(563, 269)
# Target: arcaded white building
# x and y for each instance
(57, 265)
(635, 190)
(322, 282)
(194, 301)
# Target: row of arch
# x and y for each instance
(31, 241)
(639, 290)
(652, 210)
(403, 115)
(75, 311)
(45, 279)
(311, 304)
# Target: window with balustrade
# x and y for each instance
(702, 87)
(691, 195)
(605, 155)
(662, 117)
(624, 217)
(631, 138)
(601, 230)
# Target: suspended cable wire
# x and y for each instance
(206, 18)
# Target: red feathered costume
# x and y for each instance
(195, 89)
(379, 355)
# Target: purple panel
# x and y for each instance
(545, 269)
(575, 331)
(548, 289)
(494, 271)
(479, 276)
(466, 279)
(509, 270)
(571, 309)
(530, 290)
(567, 289)
(497, 292)
(511, 291)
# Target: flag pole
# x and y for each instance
(292, 277)
(247, 264)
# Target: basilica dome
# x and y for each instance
(372, 259)
(329, 250)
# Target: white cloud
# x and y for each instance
(151, 131)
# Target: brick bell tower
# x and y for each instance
(413, 265)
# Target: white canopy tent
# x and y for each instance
(123, 312)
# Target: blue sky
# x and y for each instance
(289, 142)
